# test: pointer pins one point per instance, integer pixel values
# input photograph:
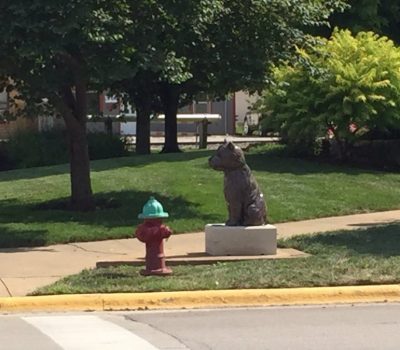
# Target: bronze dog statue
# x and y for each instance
(246, 206)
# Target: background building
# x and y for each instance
(233, 111)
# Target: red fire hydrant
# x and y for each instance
(153, 232)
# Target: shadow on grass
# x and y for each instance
(138, 161)
(33, 173)
(268, 161)
(275, 164)
(380, 241)
(101, 165)
(120, 210)
(24, 238)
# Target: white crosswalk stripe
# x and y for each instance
(87, 333)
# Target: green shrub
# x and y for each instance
(341, 82)
(382, 154)
(5, 163)
(103, 146)
(28, 149)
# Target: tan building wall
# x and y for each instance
(243, 103)
(8, 128)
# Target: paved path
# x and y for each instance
(212, 139)
(374, 326)
(347, 327)
(81, 331)
(22, 270)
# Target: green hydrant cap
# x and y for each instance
(152, 210)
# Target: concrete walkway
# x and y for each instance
(22, 270)
(213, 139)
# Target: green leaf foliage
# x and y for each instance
(48, 46)
(379, 16)
(341, 82)
(217, 46)
(251, 35)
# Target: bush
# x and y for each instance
(348, 85)
(382, 154)
(103, 146)
(5, 163)
(28, 149)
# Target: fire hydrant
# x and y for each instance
(152, 232)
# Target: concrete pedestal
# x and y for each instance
(240, 240)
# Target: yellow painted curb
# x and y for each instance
(203, 299)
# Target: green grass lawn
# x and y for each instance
(370, 256)
(188, 189)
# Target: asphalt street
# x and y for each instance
(362, 326)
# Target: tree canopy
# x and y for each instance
(379, 16)
(216, 47)
(53, 52)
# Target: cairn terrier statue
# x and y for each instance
(246, 206)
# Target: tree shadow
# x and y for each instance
(138, 161)
(382, 240)
(120, 210)
(25, 238)
(103, 164)
(268, 161)
(297, 166)
(33, 173)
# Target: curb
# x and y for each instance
(203, 299)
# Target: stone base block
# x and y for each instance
(240, 240)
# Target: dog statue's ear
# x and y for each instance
(231, 146)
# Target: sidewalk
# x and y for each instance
(216, 139)
(22, 270)
(212, 140)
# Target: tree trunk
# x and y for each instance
(73, 109)
(81, 189)
(170, 101)
(143, 111)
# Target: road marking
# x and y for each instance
(87, 332)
